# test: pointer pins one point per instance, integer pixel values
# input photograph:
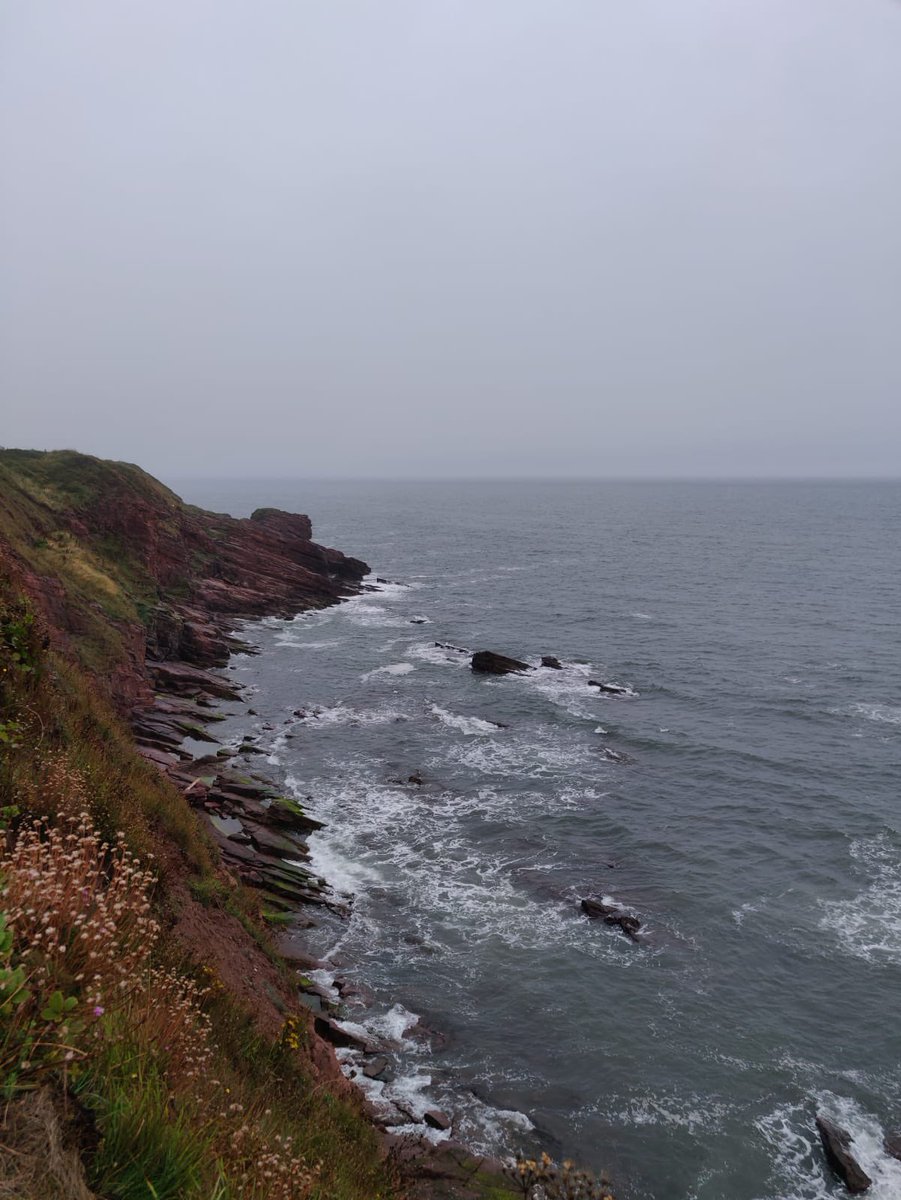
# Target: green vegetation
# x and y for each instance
(187, 1096)
(178, 1091)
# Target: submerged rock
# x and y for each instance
(612, 689)
(486, 662)
(837, 1146)
(548, 660)
(612, 914)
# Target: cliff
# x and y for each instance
(127, 574)
(153, 1041)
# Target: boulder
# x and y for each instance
(376, 1068)
(486, 662)
(343, 1038)
(837, 1146)
(437, 1119)
(548, 660)
(612, 914)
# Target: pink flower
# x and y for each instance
(98, 1011)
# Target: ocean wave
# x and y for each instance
(539, 755)
(467, 725)
(690, 1111)
(388, 589)
(885, 714)
(343, 714)
(359, 612)
(401, 668)
(438, 656)
(868, 926)
(800, 1170)
(294, 642)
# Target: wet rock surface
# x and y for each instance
(612, 914)
(487, 662)
(837, 1148)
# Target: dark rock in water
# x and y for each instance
(333, 1033)
(612, 914)
(892, 1144)
(448, 646)
(837, 1145)
(418, 621)
(437, 1119)
(486, 662)
(376, 1068)
(612, 689)
(548, 660)
(416, 778)
(616, 756)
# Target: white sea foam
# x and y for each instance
(389, 589)
(438, 656)
(538, 756)
(868, 926)
(641, 616)
(295, 641)
(401, 668)
(389, 837)
(393, 1025)
(689, 1111)
(489, 1130)
(467, 725)
(801, 1172)
(343, 714)
(567, 688)
(360, 612)
(343, 874)
(885, 714)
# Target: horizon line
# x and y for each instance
(757, 479)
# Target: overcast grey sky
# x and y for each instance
(483, 237)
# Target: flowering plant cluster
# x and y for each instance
(81, 993)
(543, 1179)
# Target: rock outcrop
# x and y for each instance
(487, 662)
(130, 576)
(612, 914)
(612, 689)
(837, 1146)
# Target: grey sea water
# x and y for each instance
(752, 817)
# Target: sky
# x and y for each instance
(453, 238)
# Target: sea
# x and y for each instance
(741, 796)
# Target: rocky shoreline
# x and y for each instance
(261, 834)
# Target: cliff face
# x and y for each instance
(115, 594)
(129, 575)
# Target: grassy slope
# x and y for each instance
(62, 746)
